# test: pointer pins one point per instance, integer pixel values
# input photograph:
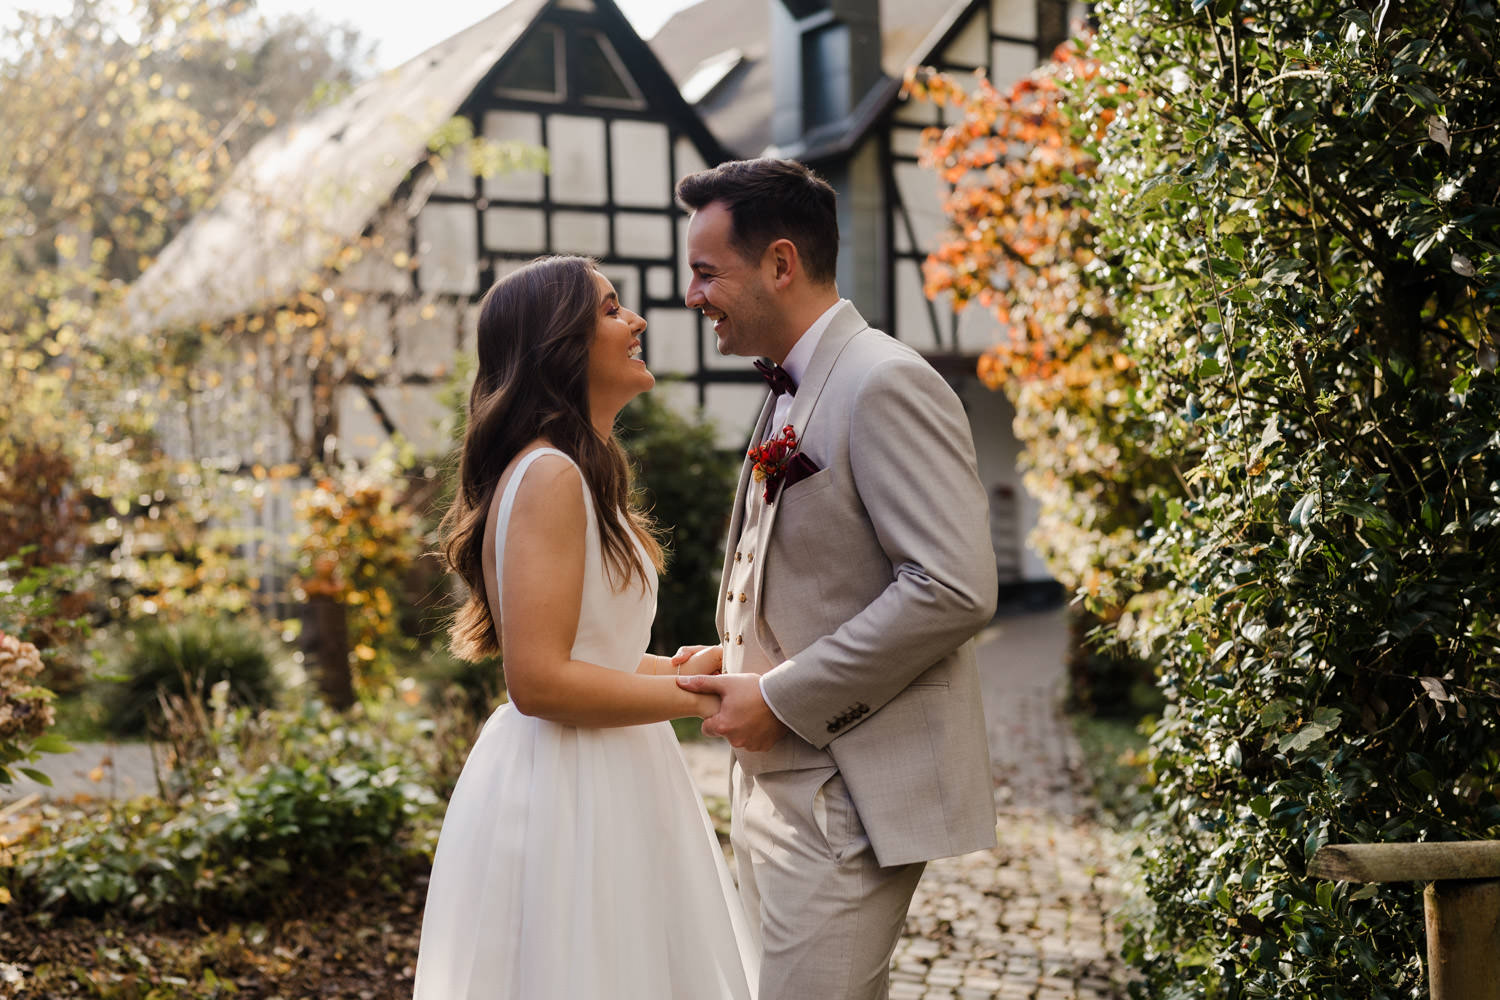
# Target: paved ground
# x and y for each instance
(1026, 921)
(1030, 919)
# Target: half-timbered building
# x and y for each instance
(620, 120)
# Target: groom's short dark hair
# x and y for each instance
(768, 200)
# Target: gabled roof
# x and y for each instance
(312, 186)
(738, 110)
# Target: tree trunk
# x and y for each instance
(327, 622)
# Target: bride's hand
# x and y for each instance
(705, 660)
(684, 653)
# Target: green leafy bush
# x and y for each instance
(1296, 206)
(190, 657)
(689, 485)
(325, 800)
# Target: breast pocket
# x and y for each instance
(803, 488)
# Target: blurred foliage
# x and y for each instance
(356, 541)
(181, 445)
(1292, 215)
(25, 711)
(188, 658)
(689, 489)
(30, 621)
(1020, 242)
(285, 803)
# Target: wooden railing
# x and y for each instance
(1462, 905)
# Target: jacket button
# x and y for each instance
(743, 598)
(736, 557)
(750, 557)
(739, 640)
(726, 636)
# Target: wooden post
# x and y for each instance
(1463, 940)
(1462, 905)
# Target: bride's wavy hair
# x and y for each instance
(535, 328)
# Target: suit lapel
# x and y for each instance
(841, 330)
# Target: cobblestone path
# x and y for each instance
(1030, 919)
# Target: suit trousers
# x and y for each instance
(824, 914)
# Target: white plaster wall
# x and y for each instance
(990, 418)
(376, 271)
(906, 141)
(913, 320)
(638, 234)
(453, 176)
(643, 171)
(971, 47)
(576, 146)
(580, 232)
(671, 341)
(1016, 18)
(1009, 61)
(917, 112)
(734, 408)
(417, 413)
(519, 230)
(688, 160)
(514, 126)
(360, 432)
(659, 283)
(447, 240)
(922, 192)
(427, 338)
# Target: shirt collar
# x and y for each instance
(800, 356)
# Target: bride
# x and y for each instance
(576, 861)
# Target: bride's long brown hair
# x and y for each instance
(535, 328)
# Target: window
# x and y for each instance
(601, 76)
(535, 68)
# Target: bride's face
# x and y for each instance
(616, 372)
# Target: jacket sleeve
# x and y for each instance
(914, 468)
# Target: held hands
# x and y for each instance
(698, 660)
(743, 717)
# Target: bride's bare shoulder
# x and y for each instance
(551, 486)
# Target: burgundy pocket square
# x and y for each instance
(798, 468)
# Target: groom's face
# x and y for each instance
(731, 290)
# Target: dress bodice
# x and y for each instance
(614, 617)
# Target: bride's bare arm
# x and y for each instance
(542, 592)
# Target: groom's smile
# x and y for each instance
(726, 287)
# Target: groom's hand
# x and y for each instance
(744, 718)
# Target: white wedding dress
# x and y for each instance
(579, 864)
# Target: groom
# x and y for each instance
(857, 570)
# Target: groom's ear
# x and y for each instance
(784, 261)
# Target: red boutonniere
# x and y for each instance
(771, 458)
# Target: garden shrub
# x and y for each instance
(689, 487)
(300, 800)
(356, 541)
(188, 658)
(1296, 207)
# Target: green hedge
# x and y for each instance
(689, 486)
(1297, 207)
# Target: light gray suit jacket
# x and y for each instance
(877, 572)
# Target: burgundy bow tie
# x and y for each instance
(778, 378)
